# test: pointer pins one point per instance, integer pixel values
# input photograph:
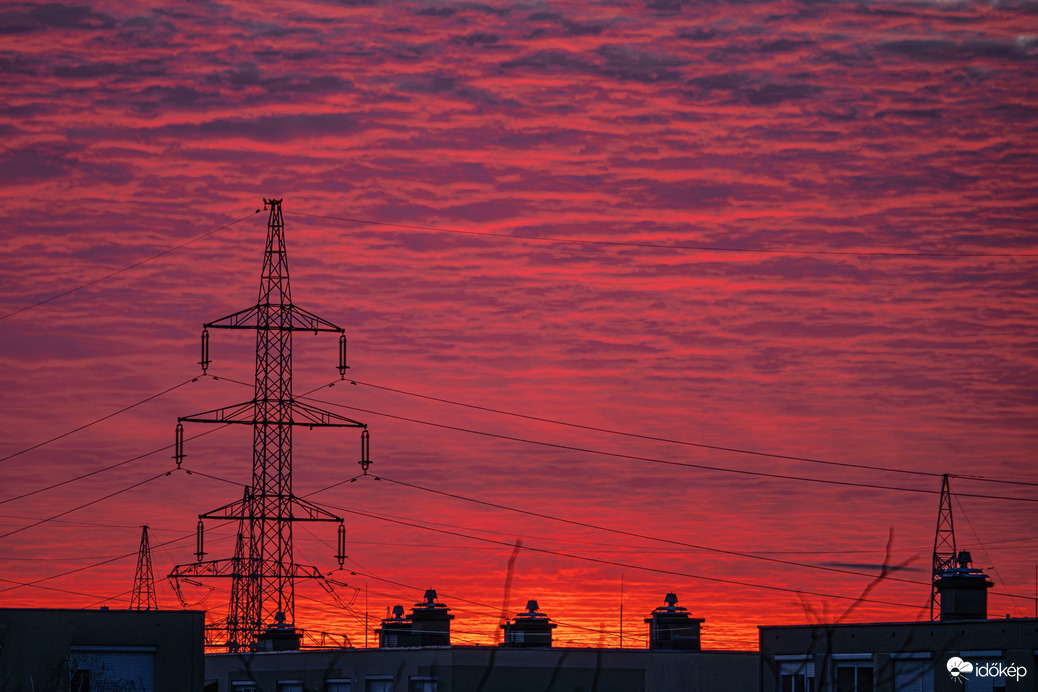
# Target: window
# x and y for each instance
(290, 686)
(913, 676)
(423, 684)
(112, 667)
(244, 686)
(336, 686)
(379, 684)
(854, 677)
(797, 676)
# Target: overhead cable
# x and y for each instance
(86, 504)
(99, 420)
(633, 534)
(96, 564)
(661, 246)
(125, 269)
(54, 588)
(700, 445)
(683, 464)
(106, 468)
(615, 563)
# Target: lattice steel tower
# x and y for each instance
(143, 596)
(261, 613)
(943, 546)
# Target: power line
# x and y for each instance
(1012, 597)
(686, 443)
(683, 464)
(606, 547)
(86, 504)
(121, 463)
(78, 523)
(660, 246)
(54, 588)
(212, 477)
(125, 269)
(614, 563)
(99, 420)
(106, 468)
(513, 534)
(699, 445)
(103, 600)
(632, 534)
(92, 566)
(593, 526)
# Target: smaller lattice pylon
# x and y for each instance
(143, 597)
(944, 550)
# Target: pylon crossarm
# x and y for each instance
(243, 413)
(243, 319)
(311, 512)
(301, 510)
(300, 320)
(234, 510)
(302, 414)
(306, 572)
(304, 320)
(311, 416)
(226, 567)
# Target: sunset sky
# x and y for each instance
(798, 229)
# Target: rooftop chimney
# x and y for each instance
(429, 625)
(671, 627)
(279, 636)
(529, 629)
(395, 631)
(963, 590)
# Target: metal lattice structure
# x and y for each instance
(143, 596)
(261, 612)
(943, 546)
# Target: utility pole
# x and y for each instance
(143, 597)
(261, 613)
(943, 546)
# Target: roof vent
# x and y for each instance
(529, 629)
(671, 627)
(963, 590)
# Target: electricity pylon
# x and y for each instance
(143, 597)
(943, 546)
(261, 613)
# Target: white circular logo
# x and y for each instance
(957, 667)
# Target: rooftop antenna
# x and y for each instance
(261, 613)
(143, 597)
(944, 552)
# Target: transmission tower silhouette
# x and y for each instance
(261, 612)
(143, 596)
(943, 546)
